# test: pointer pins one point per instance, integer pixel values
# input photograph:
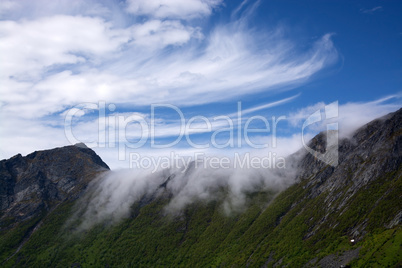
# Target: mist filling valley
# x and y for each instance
(110, 197)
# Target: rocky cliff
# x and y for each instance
(38, 182)
(374, 151)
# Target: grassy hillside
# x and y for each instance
(293, 230)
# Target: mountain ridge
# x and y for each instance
(310, 224)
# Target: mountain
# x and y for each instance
(44, 179)
(33, 186)
(348, 215)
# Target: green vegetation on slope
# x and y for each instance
(292, 229)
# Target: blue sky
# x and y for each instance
(204, 57)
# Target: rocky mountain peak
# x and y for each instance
(43, 179)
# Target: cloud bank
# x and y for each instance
(109, 199)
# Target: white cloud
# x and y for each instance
(48, 133)
(55, 62)
(8, 6)
(352, 115)
(27, 9)
(110, 197)
(175, 9)
(31, 47)
(371, 10)
(158, 34)
(228, 67)
(60, 55)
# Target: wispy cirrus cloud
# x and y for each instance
(67, 52)
(371, 10)
(351, 115)
(54, 61)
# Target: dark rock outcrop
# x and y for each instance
(39, 181)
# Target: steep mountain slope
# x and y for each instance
(34, 185)
(311, 224)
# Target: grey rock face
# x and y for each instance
(39, 181)
(374, 151)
